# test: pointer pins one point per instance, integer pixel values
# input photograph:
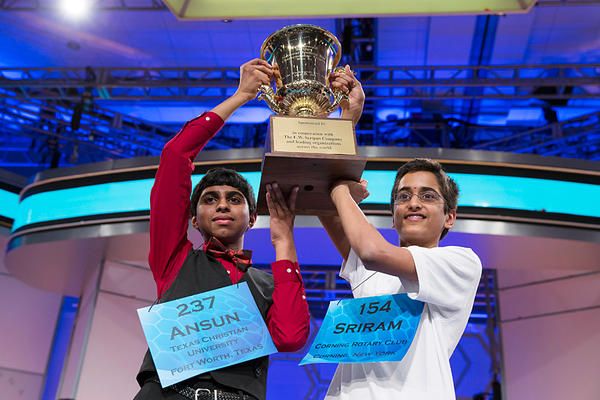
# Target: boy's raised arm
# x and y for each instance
(288, 319)
(253, 74)
(347, 82)
(376, 253)
(170, 196)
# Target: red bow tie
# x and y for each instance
(241, 258)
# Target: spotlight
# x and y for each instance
(76, 9)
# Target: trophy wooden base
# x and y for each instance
(313, 173)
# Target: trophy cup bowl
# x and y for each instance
(303, 57)
(304, 147)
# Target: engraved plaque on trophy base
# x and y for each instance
(312, 153)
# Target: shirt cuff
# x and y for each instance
(285, 271)
(209, 120)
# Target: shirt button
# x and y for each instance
(228, 272)
(208, 118)
(297, 271)
(289, 270)
(303, 297)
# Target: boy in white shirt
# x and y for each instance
(424, 200)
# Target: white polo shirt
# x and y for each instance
(448, 280)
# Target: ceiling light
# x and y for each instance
(76, 9)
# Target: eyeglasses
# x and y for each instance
(428, 197)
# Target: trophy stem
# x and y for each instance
(305, 112)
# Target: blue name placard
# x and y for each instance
(368, 329)
(204, 332)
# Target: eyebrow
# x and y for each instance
(227, 194)
(421, 189)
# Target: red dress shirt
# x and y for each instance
(288, 319)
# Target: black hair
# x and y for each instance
(448, 186)
(219, 177)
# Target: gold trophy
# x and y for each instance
(304, 147)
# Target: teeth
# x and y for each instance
(415, 217)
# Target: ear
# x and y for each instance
(252, 220)
(195, 222)
(450, 219)
(394, 215)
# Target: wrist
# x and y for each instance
(242, 98)
(285, 250)
(353, 114)
(338, 190)
(283, 242)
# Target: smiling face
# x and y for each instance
(222, 212)
(419, 216)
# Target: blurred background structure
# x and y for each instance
(121, 79)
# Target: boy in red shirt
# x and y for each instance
(223, 208)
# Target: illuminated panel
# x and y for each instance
(496, 191)
(9, 204)
(227, 9)
(484, 191)
(106, 198)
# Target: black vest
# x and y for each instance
(200, 273)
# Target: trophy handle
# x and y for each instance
(338, 53)
(263, 49)
(338, 98)
(338, 95)
(266, 93)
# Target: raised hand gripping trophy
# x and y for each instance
(303, 146)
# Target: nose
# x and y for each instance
(414, 203)
(222, 204)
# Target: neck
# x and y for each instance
(232, 245)
(407, 243)
(239, 245)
